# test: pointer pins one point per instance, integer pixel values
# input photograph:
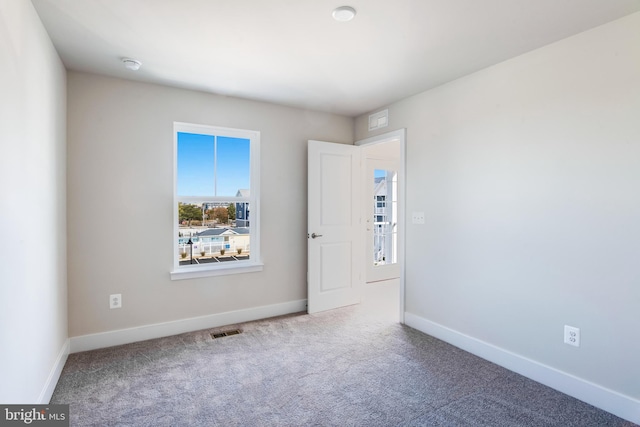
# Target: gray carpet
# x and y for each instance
(337, 368)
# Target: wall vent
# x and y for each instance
(379, 120)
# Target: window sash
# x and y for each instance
(254, 263)
(192, 200)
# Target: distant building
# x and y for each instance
(384, 232)
(242, 210)
(212, 205)
(212, 240)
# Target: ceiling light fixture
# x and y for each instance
(131, 64)
(344, 13)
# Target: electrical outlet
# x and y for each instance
(417, 218)
(115, 301)
(572, 335)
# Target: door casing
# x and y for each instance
(400, 136)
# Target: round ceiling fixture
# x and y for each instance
(131, 64)
(344, 13)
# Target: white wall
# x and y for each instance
(529, 175)
(33, 294)
(120, 175)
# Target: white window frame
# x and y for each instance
(254, 263)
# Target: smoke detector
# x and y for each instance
(344, 13)
(131, 64)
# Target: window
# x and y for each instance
(385, 234)
(216, 201)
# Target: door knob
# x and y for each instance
(314, 235)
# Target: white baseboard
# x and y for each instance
(158, 330)
(54, 375)
(611, 401)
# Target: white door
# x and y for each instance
(381, 219)
(335, 240)
(383, 174)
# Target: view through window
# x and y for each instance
(385, 226)
(215, 201)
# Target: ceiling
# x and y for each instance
(292, 52)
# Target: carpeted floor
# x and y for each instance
(337, 368)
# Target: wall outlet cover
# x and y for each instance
(417, 217)
(572, 335)
(115, 301)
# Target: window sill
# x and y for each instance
(198, 271)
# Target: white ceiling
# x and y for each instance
(292, 52)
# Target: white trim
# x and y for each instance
(212, 130)
(212, 199)
(228, 267)
(54, 375)
(402, 225)
(254, 200)
(400, 135)
(159, 330)
(608, 400)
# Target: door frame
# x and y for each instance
(399, 135)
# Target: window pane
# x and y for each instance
(233, 167)
(195, 165)
(216, 218)
(385, 217)
(213, 237)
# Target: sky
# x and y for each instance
(197, 155)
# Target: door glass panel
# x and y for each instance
(385, 217)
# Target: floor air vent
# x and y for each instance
(226, 333)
